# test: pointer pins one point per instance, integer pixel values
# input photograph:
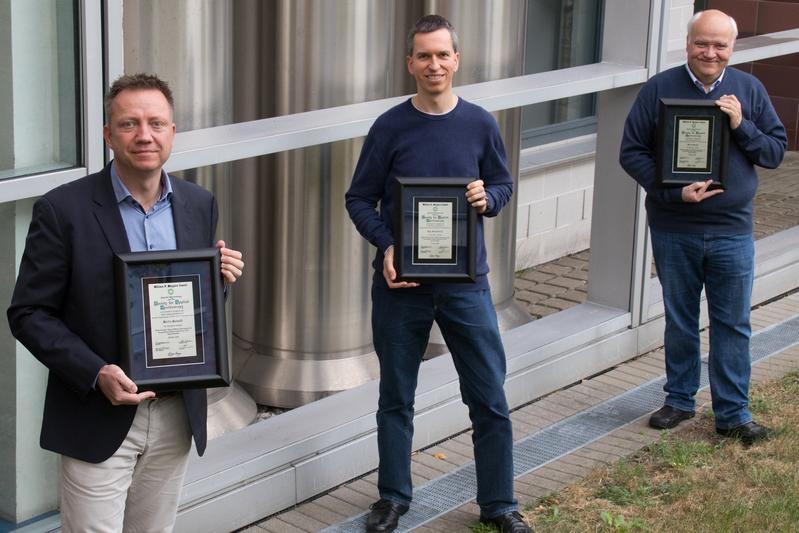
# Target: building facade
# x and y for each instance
(272, 102)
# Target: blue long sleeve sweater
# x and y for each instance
(759, 140)
(406, 142)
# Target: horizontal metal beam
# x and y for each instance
(36, 185)
(221, 144)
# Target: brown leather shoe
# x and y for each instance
(668, 417)
(748, 433)
(508, 523)
(384, 516)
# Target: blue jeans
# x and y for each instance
(401, 322)
(724, 264)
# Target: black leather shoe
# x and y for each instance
(747, 433)
(384, 516)
(668, 417)
(508, 523)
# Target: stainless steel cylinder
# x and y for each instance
(189, 44)
(301, 314)
(302, 328)
(491, 44)
(302, 323)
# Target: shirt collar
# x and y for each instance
(121, 192)
(702, 85)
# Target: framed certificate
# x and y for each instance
(693, 137)
(435, 230)
(171, 316)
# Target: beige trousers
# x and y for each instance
(137, 488)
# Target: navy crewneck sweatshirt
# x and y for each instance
(405, 142)
(759, 140)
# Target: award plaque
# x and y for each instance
(693, 138)
(435, 231)
(171, 315)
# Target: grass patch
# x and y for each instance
(693, 480)
(480, 527)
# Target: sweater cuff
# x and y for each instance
(383, 244)
(673, 196)
(490, 203)
(745, 131)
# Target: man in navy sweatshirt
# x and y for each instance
(703, 236)
(435, 134)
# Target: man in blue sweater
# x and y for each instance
(435, 133)
(702, 236)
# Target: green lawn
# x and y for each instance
(694, 481)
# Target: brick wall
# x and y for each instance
(780, 75)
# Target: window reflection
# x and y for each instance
(38, 87)
(560, 34)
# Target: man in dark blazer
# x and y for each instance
(124, 452)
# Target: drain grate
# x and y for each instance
(450, 491)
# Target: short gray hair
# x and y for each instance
(698, 15)
(429, 24)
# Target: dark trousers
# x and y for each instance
(724, 266)
(401, 322)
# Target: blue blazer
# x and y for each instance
(63, 308)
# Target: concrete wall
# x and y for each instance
(680, 13)
(554, 203)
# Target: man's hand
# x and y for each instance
(118, 388)
(476, 196)
(732, 107)
(696, 192)
(390, 274)
(232, 265)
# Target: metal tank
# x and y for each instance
(302, 314)
(189, 43)
(491, 44)
(301, 322)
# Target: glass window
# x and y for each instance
(560, 34)
(39, 127)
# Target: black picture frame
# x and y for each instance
(435, 230)
(693, 139)
(171, 319)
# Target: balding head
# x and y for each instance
(711, 37)
(713, 16)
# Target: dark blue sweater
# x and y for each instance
(759, 140)
(405, 142)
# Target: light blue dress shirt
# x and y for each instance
(154, 230)
(702, 85)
